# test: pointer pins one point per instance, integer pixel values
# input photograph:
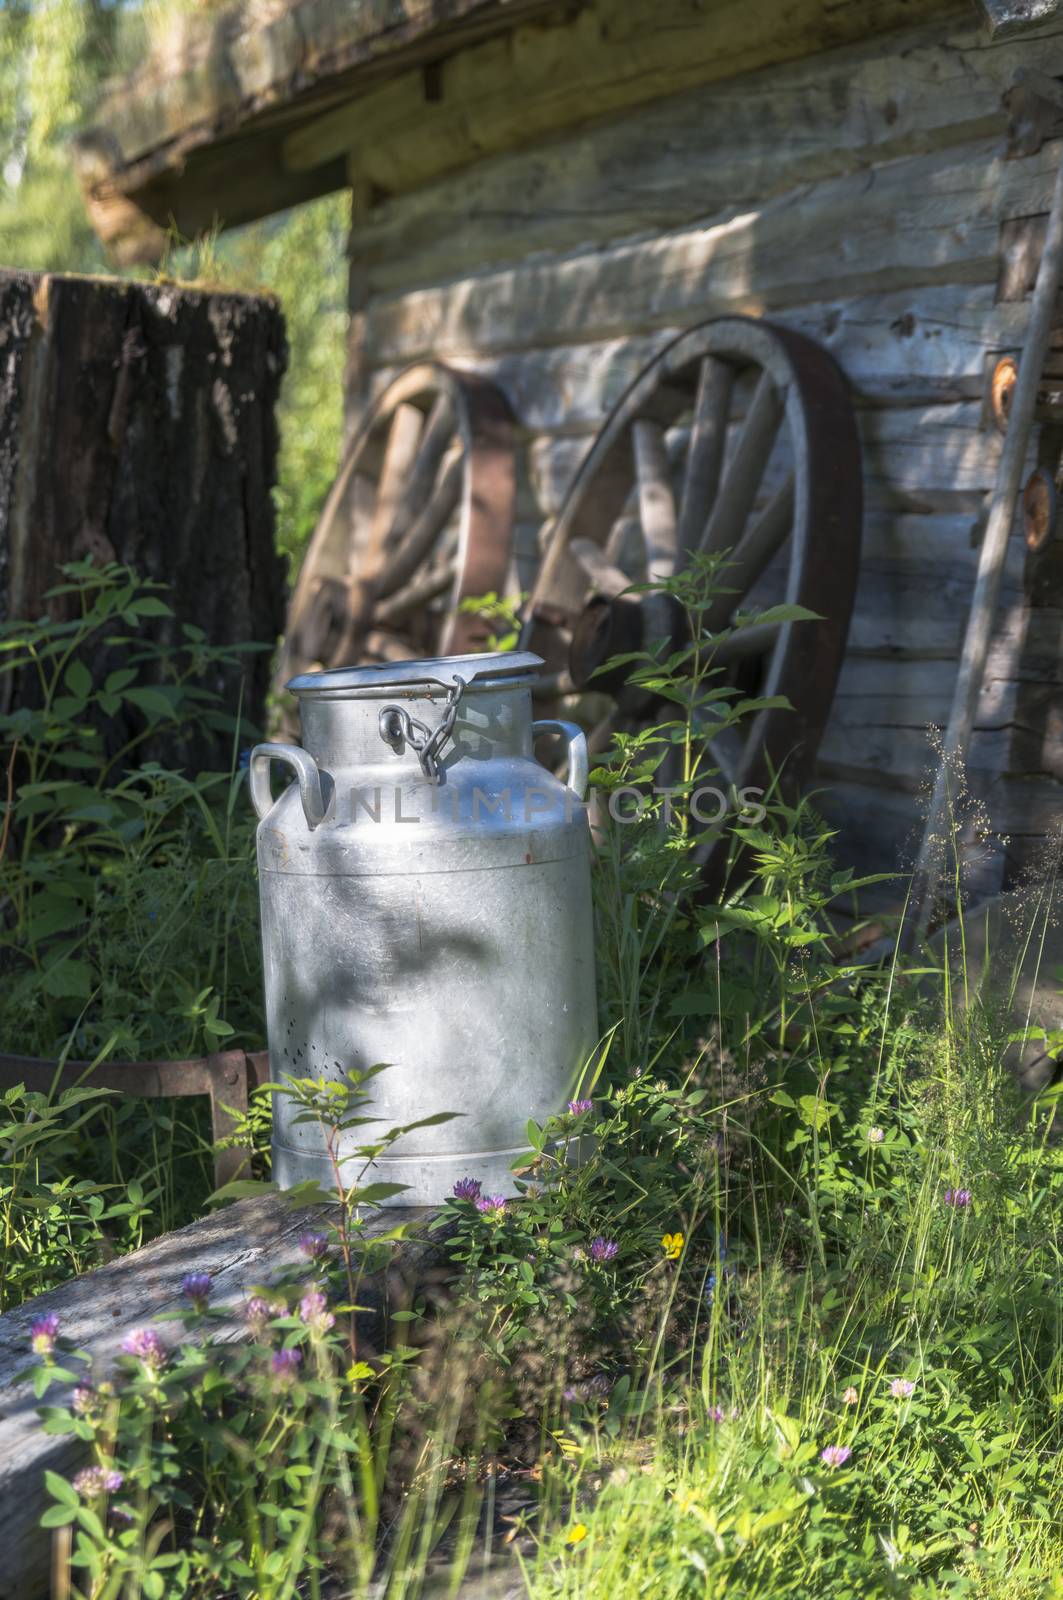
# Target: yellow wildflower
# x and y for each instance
(576, 1534)
(672, 1245)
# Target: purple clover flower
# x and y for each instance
(145, 1344)
(580, 1108)
(92, 1482)
(43, 1331)
(901, 1388)
(467, 1189)
(492, 1205)
(313, 1245)
(259, 1313)
(313, 1308)
(958, 1199)
(195, 1286)
(285, 1365)
(835, 1455)
(595, 1388)
(85, 1402)
(603, 1249)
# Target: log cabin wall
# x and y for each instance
(859, 194)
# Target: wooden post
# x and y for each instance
(990, 567)
(136, 425)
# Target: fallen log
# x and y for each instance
(249, 1243)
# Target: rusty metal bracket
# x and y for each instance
(227, 1077)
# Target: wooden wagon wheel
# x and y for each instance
(738, 437)
(419, 519)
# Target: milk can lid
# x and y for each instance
(440, 670)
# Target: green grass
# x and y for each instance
(756, 1262)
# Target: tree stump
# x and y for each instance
(137, 425)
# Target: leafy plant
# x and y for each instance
(56, 1223)
(253, 1469)
(775, 1311)
(129, 915)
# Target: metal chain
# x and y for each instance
(398, 727)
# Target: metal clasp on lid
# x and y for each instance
(397, 727)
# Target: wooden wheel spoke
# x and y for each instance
(753, 553)
(383, 646)
(601, 735)
(437, 434)
(399, 457)
(422, 536)
(745, 471)
(426, 586)
(605, 578)
(708, 439)
(656, 500)
(746, 644)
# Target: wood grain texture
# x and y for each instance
(920, 222)
(685, 156)
(141, 429)
(916, 458)
(242, 1246)
(860, 195)
(603, 58)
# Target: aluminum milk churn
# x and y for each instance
(426, 902)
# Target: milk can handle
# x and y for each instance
(576, 749)
(306, 772)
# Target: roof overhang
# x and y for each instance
(244, 113)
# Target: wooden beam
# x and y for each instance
(544, 76)
(724, 146)
(242, 1246)
(922, 224)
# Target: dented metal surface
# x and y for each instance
(444, 928)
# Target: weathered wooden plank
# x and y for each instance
(918, 221)
(735, 142)
(912, 347)
(605, 57)
(880, 828)
(1022, 806)
(915, 458)
(915, 690)
(241, 1246)
(904, 756)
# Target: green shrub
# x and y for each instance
(128, 927)
(130, 914)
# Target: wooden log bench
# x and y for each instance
(251, 1242)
